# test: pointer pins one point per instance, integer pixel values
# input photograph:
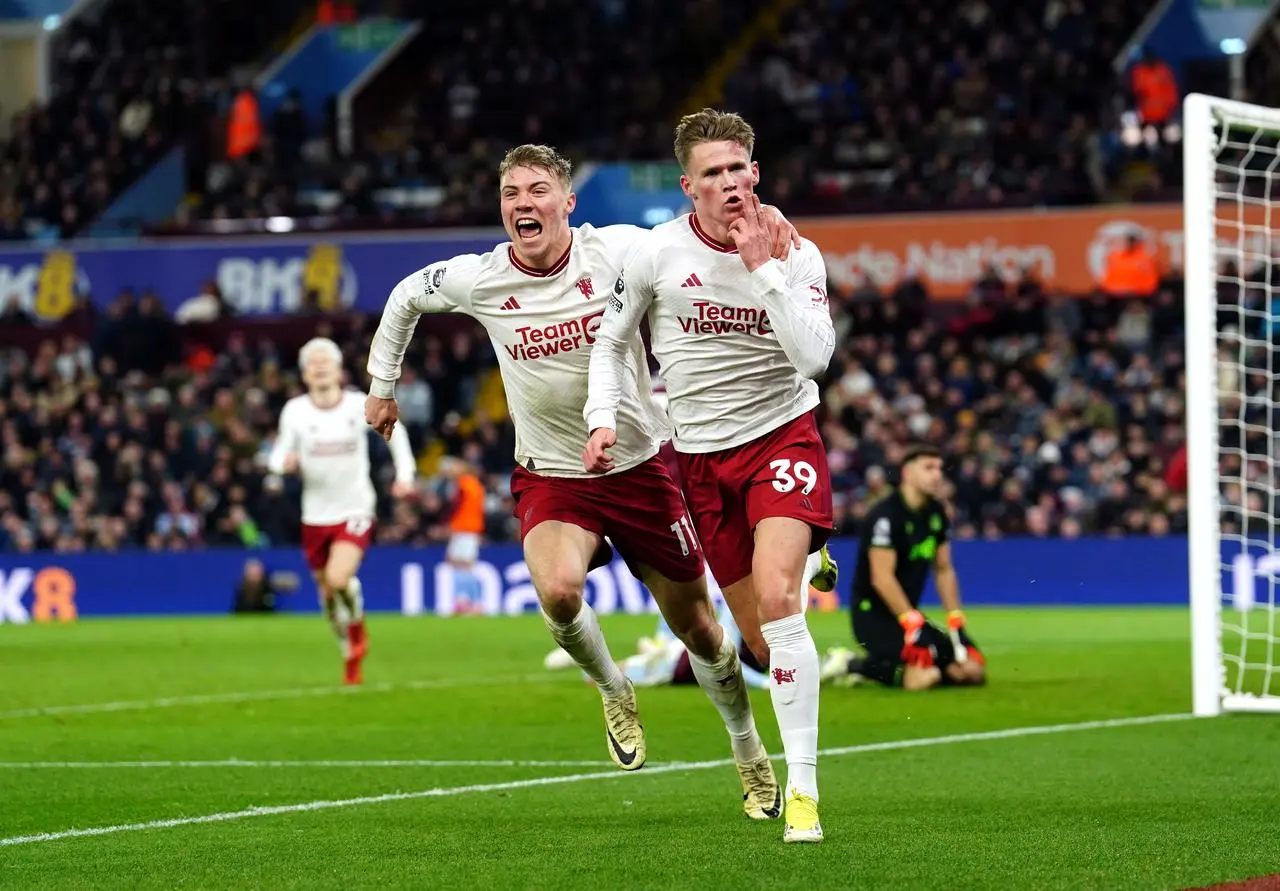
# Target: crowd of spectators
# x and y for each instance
(1059, 416)
(141, 437)
(600, 79)
(921, 104)
(129, 79)
(932, 104)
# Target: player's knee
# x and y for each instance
(777, 602)
(561, 598)
(700, 632)
(336, 579)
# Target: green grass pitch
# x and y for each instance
(110, 724)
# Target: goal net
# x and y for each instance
(1231, 202)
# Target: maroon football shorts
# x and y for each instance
(640, 509)
(782, 474)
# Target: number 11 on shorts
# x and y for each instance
(683, 528)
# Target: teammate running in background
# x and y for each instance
(466, 528)
(540, 298)
(738, 337)
(323, 437)
(905, 535)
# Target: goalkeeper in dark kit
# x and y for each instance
(905, 536)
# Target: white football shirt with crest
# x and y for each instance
(542, 325)
(332, 445)
(728, 379)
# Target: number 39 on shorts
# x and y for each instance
(788, 474)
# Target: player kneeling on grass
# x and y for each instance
(905, 535)
(323, 438)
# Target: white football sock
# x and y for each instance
(724, 685)
(340, 620)
(352, 597)
(582, 639)
(812, 566)
(793, 671)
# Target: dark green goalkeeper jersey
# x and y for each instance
(914, 535)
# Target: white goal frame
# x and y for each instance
(1201, 196)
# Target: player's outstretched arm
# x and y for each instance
(884, 578)
(948, 583)
(795, 298)
(440, 287)
(628, 302)
(970, 664)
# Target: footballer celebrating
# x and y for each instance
(323, 438)
(739, 337)
(905, 535)
(541, 297)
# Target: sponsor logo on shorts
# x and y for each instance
(544, 341)
(719, 321)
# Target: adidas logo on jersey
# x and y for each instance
(512, 303)
(692, 282)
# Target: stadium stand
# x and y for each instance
(441, 118)
(1060, 417)
(130, 80)
(928, 104)
(1002, 104)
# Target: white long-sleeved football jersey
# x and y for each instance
(542, 325)
(332, 445)
(738, 350)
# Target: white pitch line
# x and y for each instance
(673, 767)
(264, 695)
(238, 763)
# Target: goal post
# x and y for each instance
(1231, 184)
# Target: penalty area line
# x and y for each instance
(129, 705)
(480, 788)
(235, 763)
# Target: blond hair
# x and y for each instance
(543, 157)
(319, 346)
(711, 125)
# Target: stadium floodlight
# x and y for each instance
(1231, 197)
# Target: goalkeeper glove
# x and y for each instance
(914, 651)
(965, 649)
